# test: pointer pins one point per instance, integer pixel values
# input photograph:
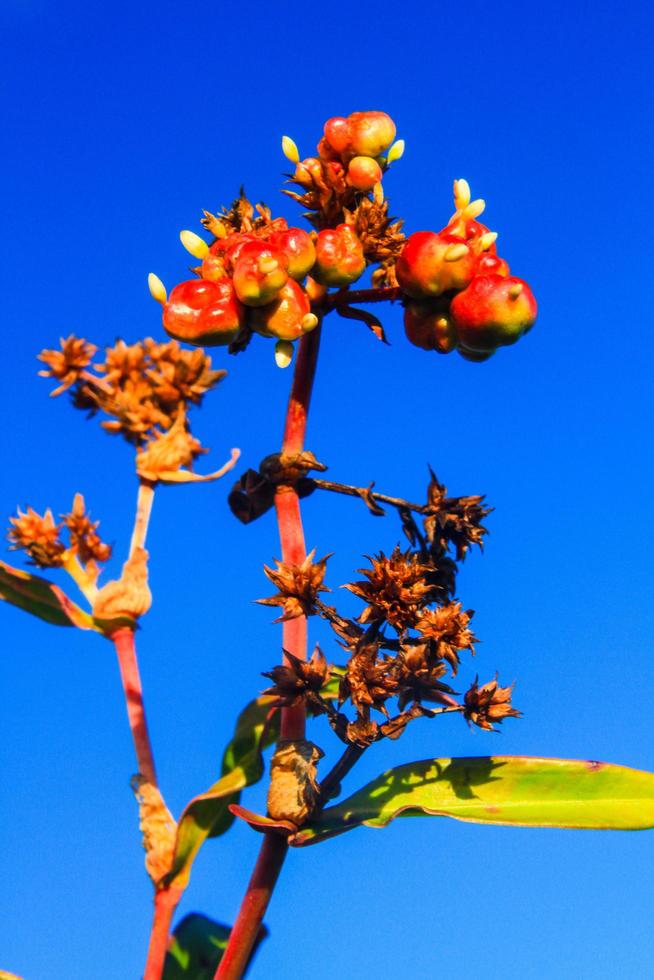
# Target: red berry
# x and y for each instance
(493, 311)
(260, 271)
(488, 264)
(370, 133)
(283, 318)
(202, 312)
(298, 247)
(337, 133)
(363, 173)
(429, 327)
(430, 264)
(339, 257)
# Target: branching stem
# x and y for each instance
(274, 848)
(165, 903)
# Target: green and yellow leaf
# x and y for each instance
(41, 598)
(507, 790)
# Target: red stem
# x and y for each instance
(165, 903)
(123, 640)
(274, 848)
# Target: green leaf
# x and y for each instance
(197, 946)
(510, 790)
(41, 598)
(208, 815)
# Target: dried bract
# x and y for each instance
(396, 590)
(39, 536)
(66, 365)
(298, 586)
(296, 680)
(488, 704)
(447, 627)
(84, 538)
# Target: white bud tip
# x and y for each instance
(283, 353)
(474, 209)
(515, 290)
(461, 194)
(309, 322)
(487, 240)
(290, 150)
(396, 152)
(157, 288)
(194, 244)
(455, 252)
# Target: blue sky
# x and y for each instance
(124, 122)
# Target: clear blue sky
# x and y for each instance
(123, 122)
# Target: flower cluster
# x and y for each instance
(261, 276)
(252, 277)
(411, 594)
(459, 294)
(145, 389)
(40, 536)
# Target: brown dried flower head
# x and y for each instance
(38, 536)
(447, 627)
(298, 586)
(488, 704)
(419, 677)
(142, 387)
(396, 589)
(454, 520)
(66, 365)
(83, 534)
(369, 680)
(297, 679)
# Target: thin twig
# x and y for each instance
(144, 503)
(363, 492)
(330, 785)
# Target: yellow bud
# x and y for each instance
(157, 288)
(194, 244)
(474, 209)
(267, 264)
(396, 152)
(283, 353)
(309, 322)
(378, 193)
(461, 194)
(290, 150)
(455, 252)
(487, 240)
(515, 290)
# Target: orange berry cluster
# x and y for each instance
(254, 274)
(250, 278)
(459, 292)
(261, 276)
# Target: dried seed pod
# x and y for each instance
(293, 788)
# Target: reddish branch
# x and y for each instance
(167, 899)
(123, 640)
(165, 903)
(274, 848)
